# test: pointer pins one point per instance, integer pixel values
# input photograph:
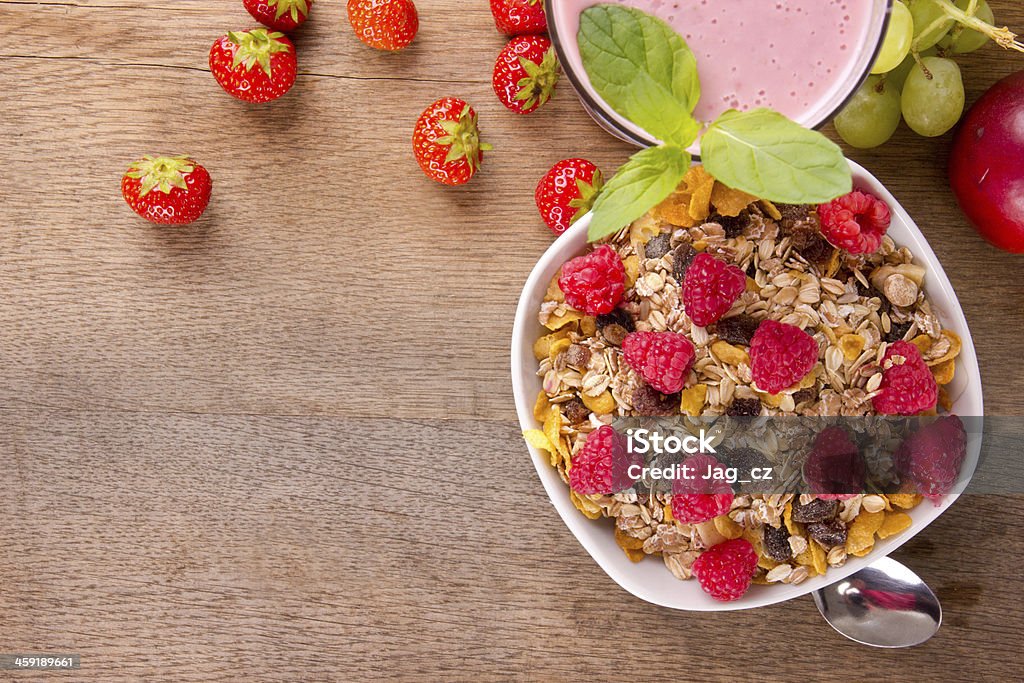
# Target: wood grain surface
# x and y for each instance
(281, 445)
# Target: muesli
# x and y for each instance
(718, 303)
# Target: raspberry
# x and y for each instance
(931, 457)
(855, 222)
(908, 386)
(663, 359)
(726, 570)
(694, 508)
(781, 355)
(594, 283)
(602, 465)
(834, 469)
(710, 287)
(697, 499)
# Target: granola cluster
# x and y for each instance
(853, 305)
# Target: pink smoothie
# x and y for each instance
(794, 56)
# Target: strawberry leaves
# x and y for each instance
(536, 87)
(255, 47)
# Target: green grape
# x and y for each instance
(896, 43)
(925, 12)
(961, 40)
(898, 76)
(872, 114)
(933, 97)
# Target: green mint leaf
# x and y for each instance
(643, 69)
(768, 155)
(640, 184)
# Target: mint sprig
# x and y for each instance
(647, 73)
(643, 68)
(644, 181)
(767, 155)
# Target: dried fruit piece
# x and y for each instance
(577, 355)
(734, 225)
(737, 329)
(817, 510)
(897, 331)
(575, 411)
(744, 407)
(648, 401)
(776, 543)
(658, 246)
(828, 534)
(682, 257)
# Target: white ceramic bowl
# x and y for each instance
(650, 580)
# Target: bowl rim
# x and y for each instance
(625, 130)
(940, 293)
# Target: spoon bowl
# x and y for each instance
(882, 605)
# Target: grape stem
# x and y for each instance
(1003, 37)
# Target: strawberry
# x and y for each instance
(255, 66)
(280, 15)
(525, 73)
(516, 17)
(167, 190)
(446, 141)
(384, 24)
(566, 192)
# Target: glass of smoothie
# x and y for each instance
(803, 58)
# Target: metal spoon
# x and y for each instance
(883, 605)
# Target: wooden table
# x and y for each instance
(281, 445)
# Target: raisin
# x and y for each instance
(614, 334)
(620, 317)
(682, 257)
(738, 329)
(828, 534)
(744, 407)
(816, 250)
(897, 331)
(648, 401)
(795, 212)
(577, 355)
(817, 510)
(804, 395)
(734, 225)
(746, 459)
(575, 412)
(776, 543)
(657, 246)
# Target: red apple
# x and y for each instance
(986, 168)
